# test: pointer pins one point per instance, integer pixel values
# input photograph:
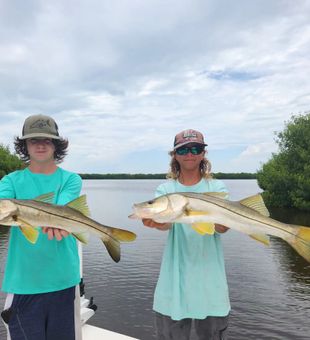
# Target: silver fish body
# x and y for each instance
(28, 214)
(203, 211)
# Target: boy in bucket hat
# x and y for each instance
(41, 280)
(192, 287)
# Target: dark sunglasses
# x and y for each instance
(194, 150)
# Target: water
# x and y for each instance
(269, 286)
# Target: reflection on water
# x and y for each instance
(269, 286)
(293, 265)
(289, 215)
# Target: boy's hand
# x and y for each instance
(152, 224)
(59, 234)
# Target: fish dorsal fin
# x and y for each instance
(203, 228)
(256, 203)
(80, 204)
(47, 198)
(220, 194)
(261, 238)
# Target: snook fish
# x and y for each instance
(73, 217)
(203, 211)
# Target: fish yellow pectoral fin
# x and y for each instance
(80, 204)
(203, 228)
(301, 242)
(123, 235)
(189, 212)
(82, 237)
(113, 248)
(256, 203)
(261, 238)
(30, 232)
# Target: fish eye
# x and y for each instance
(150, 202)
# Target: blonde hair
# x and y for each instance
(174, 172)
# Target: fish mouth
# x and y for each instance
(141, 214)
(134, 216)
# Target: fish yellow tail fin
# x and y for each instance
(301, 242)
(113, 248)
(113, 243)
(123, 235)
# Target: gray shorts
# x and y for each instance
(211, 328)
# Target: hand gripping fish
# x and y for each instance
(203, 211)
(72, 217)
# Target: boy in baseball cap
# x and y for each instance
(192, 289)
(41, 279)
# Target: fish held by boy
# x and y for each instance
(72, 217)
(203, 211)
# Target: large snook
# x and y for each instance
(202, 211)
(73, 217)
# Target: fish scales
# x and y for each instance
(57, 216)
(243, 216)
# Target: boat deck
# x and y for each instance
(95, 333)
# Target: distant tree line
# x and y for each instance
(234, 175)
(218, 175)
(123, 176)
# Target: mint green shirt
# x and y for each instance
(192, 281)
(48, 265)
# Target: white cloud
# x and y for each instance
(252, 158)
(129, 75)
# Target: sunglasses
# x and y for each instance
(194, 150)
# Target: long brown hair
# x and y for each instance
(174, 172)
(61, 146)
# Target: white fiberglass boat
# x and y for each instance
(95, 333)
(88, 309)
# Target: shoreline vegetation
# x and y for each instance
(217, 175)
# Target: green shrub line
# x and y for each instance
(285, 178)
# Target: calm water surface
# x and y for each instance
(269, 286)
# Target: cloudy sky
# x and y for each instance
(122, 77)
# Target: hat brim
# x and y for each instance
(185, 143)
(39, 135)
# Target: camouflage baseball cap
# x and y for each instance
(188, 136)
(40, 126)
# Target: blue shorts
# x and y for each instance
(46, 316)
